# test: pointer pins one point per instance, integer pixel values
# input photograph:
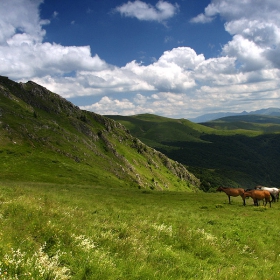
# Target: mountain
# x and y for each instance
(45, 138)
(214, 116)
(237, 151)
(268, 112)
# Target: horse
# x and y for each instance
(258, 195)
(232, 192)
(274, 192)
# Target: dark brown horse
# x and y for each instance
(232, 192)
(258, 195)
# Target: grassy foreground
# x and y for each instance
(51, 231)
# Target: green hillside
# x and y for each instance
(235, 151)
(155, 130)
(44, 138)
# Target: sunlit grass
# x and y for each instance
(50, 231)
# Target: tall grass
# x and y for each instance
(51, 231)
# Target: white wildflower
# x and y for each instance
(206, 235)
(40, 263)
(163, 228)
(47, 265)
(83, 242)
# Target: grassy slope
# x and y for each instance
(86, 232)
(44, 138)
(235, 151)
(155, 129)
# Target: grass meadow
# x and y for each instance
(55, 231)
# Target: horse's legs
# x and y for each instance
(229, 199)
(268, 200)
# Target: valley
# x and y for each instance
(239, 151)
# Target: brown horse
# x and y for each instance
(258, 195)
(274, 192)
(232, 192)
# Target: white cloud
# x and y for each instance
(22, 59)
(55, 14)
(201, 18)
(256, 29)
(22, 51)
(17, 16)
(162, 11)
(247, 52)
(162, 103)
(110, 106)
(173, 71)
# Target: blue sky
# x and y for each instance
(178, 59)
(119, 39)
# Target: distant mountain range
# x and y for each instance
(214, 116)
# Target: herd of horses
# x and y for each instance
(258, 193)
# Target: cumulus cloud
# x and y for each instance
(160, 103)
(172, 71)
(125, 107)
(17, 17)
(22, 51)
(255, 26)
(22, 60)
(230, 10)
(162, 11)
